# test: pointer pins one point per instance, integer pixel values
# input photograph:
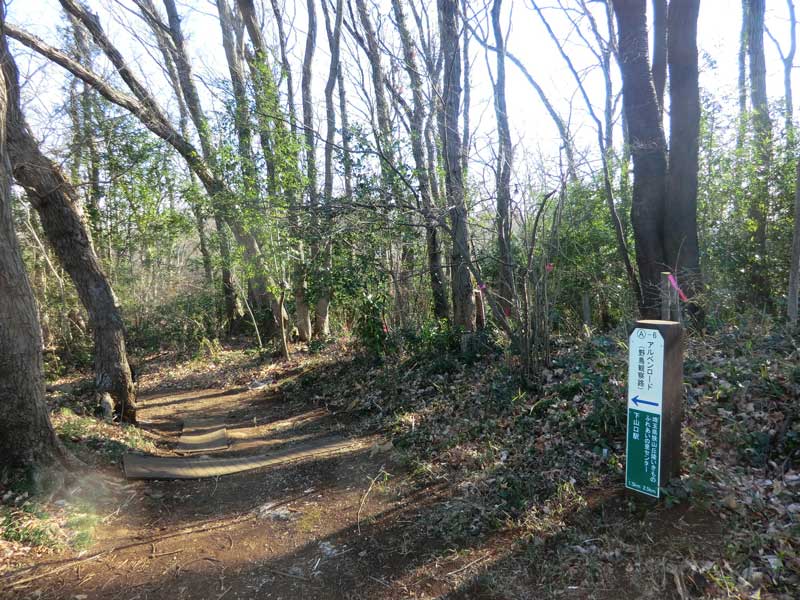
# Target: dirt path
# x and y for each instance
(326, 527)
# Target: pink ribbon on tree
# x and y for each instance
(674, 283)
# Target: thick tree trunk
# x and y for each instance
(505, 286)
(27, 439)
(57, 203)
(648, 148)
(681, 249)
(762, 138)
(463, 298)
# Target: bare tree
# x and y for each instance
(787, 58)
(505, 157)
(762, 135)
(604, 136)
(334, 39)
(435, 272)
(463, 299)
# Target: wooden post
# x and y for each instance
(586, 308)
(655, 406)
(480, 311)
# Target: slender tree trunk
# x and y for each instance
(347, 161)
(321, 324)
(467, 92)
(150, 15)
(794, 267)
(334, 37)
(203, 239)
(262, 298)
(435, 272)
(742, 81)
(57, 203)
(681, 249)
(241, 113)
(762, 134)
(463, 298)
(505, 286)
(648, 148)
(385, 143)
(268, 114)
(27, 439)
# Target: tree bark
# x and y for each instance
(27, 439)
(241, 113)
(463, 298)
(660, 44)
(681, 249)
(436, 274)
(794, 267)
(762, 138)
(648, 148)
(171, 55)
(742, 80)
(465, 137)
(325, 258)
(286, 162)
(57, 203)
(505, 157)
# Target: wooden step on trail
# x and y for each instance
(139, 466)
(202, 435)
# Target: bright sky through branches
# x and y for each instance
(532, 128)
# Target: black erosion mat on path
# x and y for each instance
(139, 466)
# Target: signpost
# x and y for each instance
(655, 393)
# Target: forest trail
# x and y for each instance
(324, 526)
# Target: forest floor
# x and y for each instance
(461, 483)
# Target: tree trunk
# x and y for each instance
(762, 133)
(794, 267)
(463, 299)
(742, 80)
(325, 259)
(505, 288)
(435, 272)
(681, 249)
(788, 66)
(57, 203)
(27, 439)
(268, 114)
(648, 148)
(467, 92)
(660, 43)
(241, 114)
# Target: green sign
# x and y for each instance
(645, 404)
